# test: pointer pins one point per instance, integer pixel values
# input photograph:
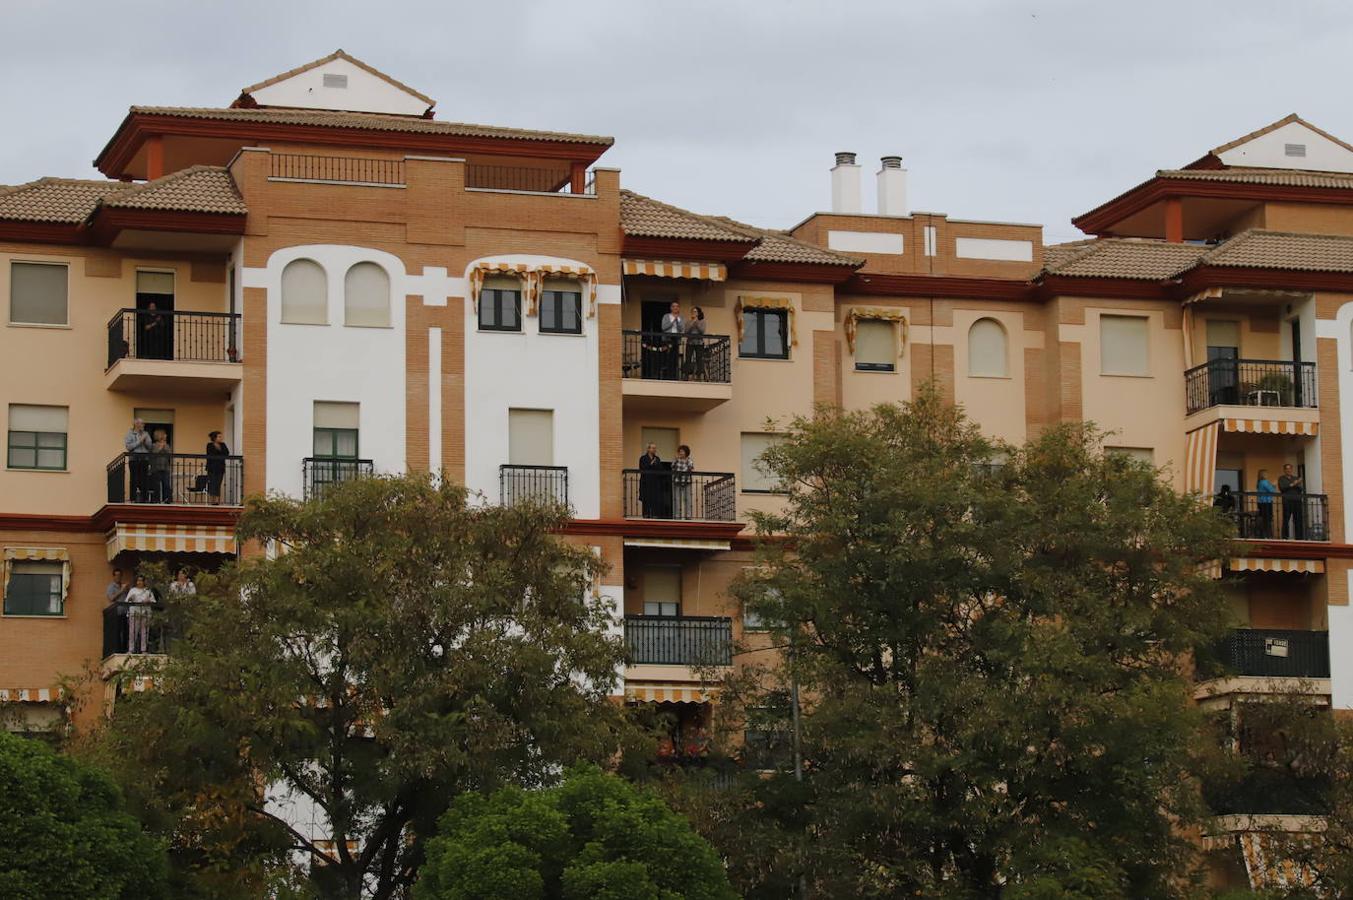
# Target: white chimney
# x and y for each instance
(845, 184)
(892, 187)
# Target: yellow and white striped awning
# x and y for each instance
(1272, 564)
(679, 543)
(1271, 426)
(172, 539)
(29, 695)
(709, 271)
(1266, 865)
(1200, 460)
(654, 692)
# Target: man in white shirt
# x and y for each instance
(137, 443)
(673, 326)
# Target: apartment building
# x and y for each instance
(340, 283)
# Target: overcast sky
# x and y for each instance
(1015, 111)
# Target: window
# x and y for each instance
(154, 287)
(336, 429)
(1141, 454)
(875, 346)
(768, 735)
(305, 293)
(1123, 345)
(666, 439)
(530, 437)
(755, 479)
(37, 437)
(38, 293)
(987, 351)
(765, 334)
(500, 305)
(35, 588)
(366, 296)
(662, 591)
(561, 307)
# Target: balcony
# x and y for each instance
(1276, 517)
(1254, 662)
(319, 473)
(116, 634)
(562, 179)
(690, 641)
(1269, 791)
(680, 496)
(677, 373)
(188, 479)
(1251, 383)
(532, 484)
(187, 352)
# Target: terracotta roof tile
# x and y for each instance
(777, 246)
(1284, 250)
(339, 54)
(58, 200)
(1283, 177)
(642, 216)
(323, 118)
(204, 189)
(1285, 120)
(1122, 258)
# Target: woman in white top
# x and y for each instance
(139, 601)
(182, 585)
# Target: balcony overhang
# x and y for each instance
(1219, 693)
(173, 376)
(656, 395)
(672, 684)
(1281, 420)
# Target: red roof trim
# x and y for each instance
(650, 528)
(815, 273)
(1101, 219)
(1118, 288)
(873, 284)
(1195, 280)
(686, 248)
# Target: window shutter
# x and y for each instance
(38, 418)
(530, 437)
(305, 293)
(875, 342)
(336, 415)
(987, 350)
(37, 294)
(155, 283)
(1223, 333)
(753, 477)
(1123, 345)
(366, 296)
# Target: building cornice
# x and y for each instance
(959, 287)
(686, 249)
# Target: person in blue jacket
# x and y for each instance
(1267, 491)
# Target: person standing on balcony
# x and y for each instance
(154, 333)
(1293, 488)
(1266, 494)
(137, 445)
(682, 498)
(655, 481)
(117, 588)
(695, 345)
(217, 451)
(182, 585)
(140, 599)
(161, 468)
(673, 327)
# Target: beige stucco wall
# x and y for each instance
(996, 404)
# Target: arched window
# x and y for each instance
(987, 349)
(305, 293)
(366, 296)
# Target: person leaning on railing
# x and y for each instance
(695, 345)
(140, 600)
(161, 468)
(682, 467)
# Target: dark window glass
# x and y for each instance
(764, 334)
(34, 592)
(499, 310)
(561, 312)
(37, 450)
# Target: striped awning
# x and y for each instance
(1272, 564)
(1266, 865)
(1271, 426)
(1200, 460)
(709, 271)
(172, 539)
(533, 277)
(679, 543)
(655, 692)
(29, 695)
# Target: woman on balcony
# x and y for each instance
(682, 499)
(695, 346)
(161, 468)
(140, 599)
(217, 451)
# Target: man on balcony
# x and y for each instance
(137, 444)
(673, 329)
(1293, 488)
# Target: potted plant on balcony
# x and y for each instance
(1276, 383)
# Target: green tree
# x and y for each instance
(594, 837)
(398, 644)
(989, 660)
(64, 831)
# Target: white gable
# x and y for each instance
(348, 87)
(1292, 146)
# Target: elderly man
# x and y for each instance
(673, 327)
(137, 444)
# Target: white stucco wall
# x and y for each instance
(364, 92)
(1269, 151)
(1340, 329)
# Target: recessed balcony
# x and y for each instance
(666, 494)
(1266, 661)
(677, 648)
(183, 352)
(184, 479)
(1276, 517)
(675, 372)
(1251, 387)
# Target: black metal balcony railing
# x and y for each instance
(1276, 517)
(345, 169)
(532, 179)
(532, 484)
(319, 473)
(684, 496)
(1276, 653)
(679, 641)
(1269, 791)
(682, 357)
(184, 478)
(173, 334)
(1250, 382)
(117, 633)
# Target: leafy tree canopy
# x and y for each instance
(595, 837)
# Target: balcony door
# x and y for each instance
(662, 591)
(1297, 379)
(154, 325)
(530, 437)
(1223, 351)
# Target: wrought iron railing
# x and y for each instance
(174, 334)
(532, 179)
(1269, 790)
(679, 640)
(1276, 653)
(532, 484)
(1250, 382)
(676, 357)
(117, 630)
(184, 478)
(1276, 517)
(685, 496)
(319, 473)
(344, 169)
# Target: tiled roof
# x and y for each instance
(58, 200)
(1283, 177)
(1056, 254)
(777, 246)
(323, 118)
(204, 189)
(1122, 258)
(1285, 120)
(1284, 250)
(339, 54)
